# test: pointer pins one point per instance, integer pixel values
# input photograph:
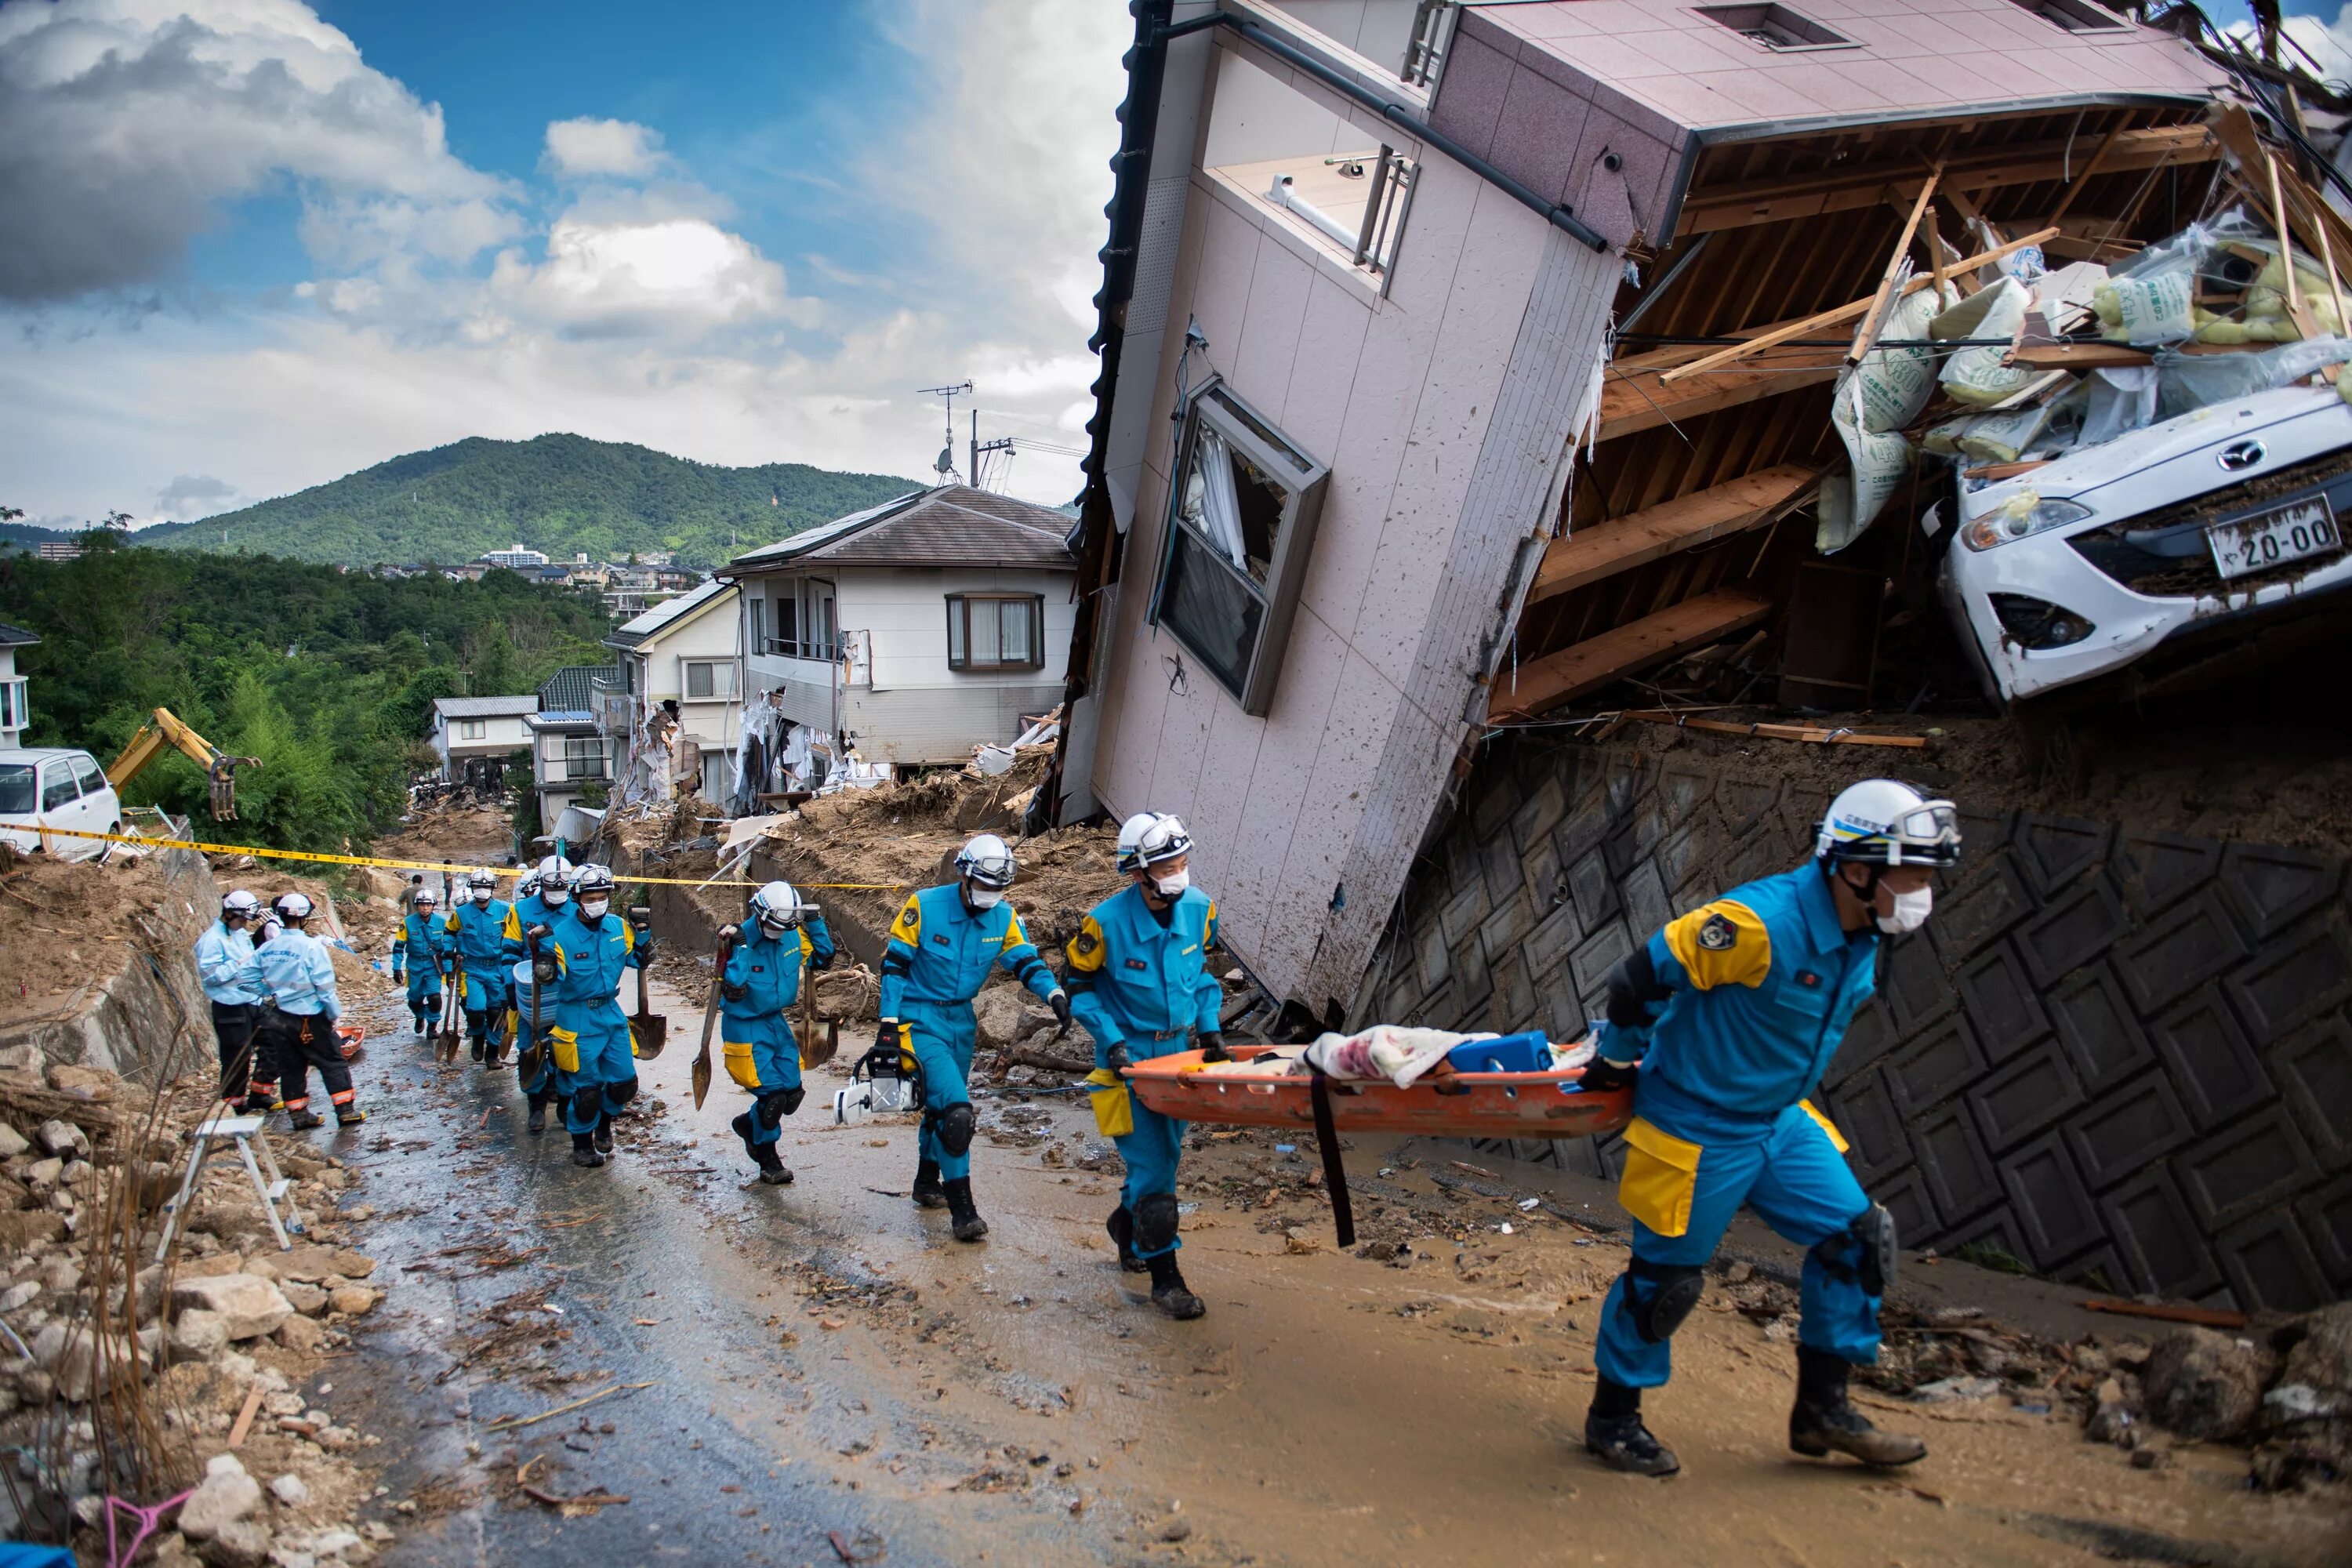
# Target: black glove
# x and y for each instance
(1060, 1003)
(732, 992)
(1212, 1047)
(538, 932)
(645, 945)
(1116, 1058)
(542, 969)
(1603, 1075)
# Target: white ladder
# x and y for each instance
(246, 1132)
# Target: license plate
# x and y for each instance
(2271, 539)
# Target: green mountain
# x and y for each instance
(560, 494)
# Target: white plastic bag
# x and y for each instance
(1977, 376)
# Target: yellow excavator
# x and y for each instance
(164, 728)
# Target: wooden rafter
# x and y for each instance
(1590, 665)
(1604, 549)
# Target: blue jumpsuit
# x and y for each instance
(1141, 980)
(590, 1036)
(1762, 983)
(761, 1054)
(477, 934)
(418, 953)
(936, 963)
(521, 915)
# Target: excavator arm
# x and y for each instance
(164, 728)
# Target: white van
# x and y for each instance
(48, 786)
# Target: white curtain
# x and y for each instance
(1210, 503)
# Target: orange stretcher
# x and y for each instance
(1458, 1105)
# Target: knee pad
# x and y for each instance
(1673, 1293)
(956, 1127)
(1865, 1251)
(773, 1107)
(1155, 1222)
(588, 1102)
(623, 1092)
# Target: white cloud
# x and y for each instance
(125, 124)
(675, 276)
(2327, 46)
(617, 149)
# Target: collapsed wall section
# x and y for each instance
(2119, 1055)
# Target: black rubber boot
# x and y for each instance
(583, 1151)
(965, 1224)
(1121, 1226)
(418, 1018)
(480, 1049)
(1169, 1291)
(305, 1120)
(928, 1193)
(349, 1115)
(604, 1134)
(742, 1129)
(1824, 1423)
(537, 1122)
(1614, 1435)
(773, 1172)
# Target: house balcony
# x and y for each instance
(615, 709)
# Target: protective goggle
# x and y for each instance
(1936, 823)
(990, 870)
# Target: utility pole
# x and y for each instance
(945, 464)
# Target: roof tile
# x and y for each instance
(953, 525)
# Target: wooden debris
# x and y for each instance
(1817, 734)
(2165, 1312)
(509, 1423)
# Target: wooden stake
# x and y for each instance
(2334, 285)
(1876, 315)
(1936, 257)
(2285, 239)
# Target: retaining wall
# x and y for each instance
(2121, 1056)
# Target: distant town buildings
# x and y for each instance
(60, 550)
(515, 556)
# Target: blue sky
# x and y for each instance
(279, 240)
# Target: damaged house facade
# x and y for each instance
(1463, 361)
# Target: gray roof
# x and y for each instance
(570, 689)
(665, 614)
(952, 525)
(486, 707)
(15, 637)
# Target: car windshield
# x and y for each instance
(16, 787)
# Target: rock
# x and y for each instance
(94, 1084)
(375, 1530)
(241, 1543)
(1004, 1014)
(1176, 1530)
(1954, 1390)
(76, 1173)
(198, 1335)
(307, 1264)
(211, 1268)
(287, 1557)
(301, 1334)
(12, 1142)
(226, 1496)
(62, 1138)
(22, 1230)
(2204, 1385)
(289, 1490)
(14, 1193)
(354, 1301)
(18, 1294)
(353, 1265)
(263, 1266)
(250, 1306)
(42, 1174)
(2291, 1403)
(2112, 1418)
(172, 1550)
(286, 1403)
(336, 1439)
(1297, 1240)
(308, 1299)
(2322, 1359)
(333, 1543)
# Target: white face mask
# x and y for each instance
(553, 897)
(481, 895)
(1910, 911)
(985, 897)
(593, 908)
(1174, 883)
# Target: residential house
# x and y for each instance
(15, 714)
(59, 550)
(568, 754)
(474, 736)
(628, 589)
(915, 630)
(515, 556)
(1364, 260)
(676, 579)
(685, 651)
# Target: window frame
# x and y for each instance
(15, 703)
(1303, 478)
(473, 729)
(57, 771)
(958, 608)
(685, 680)
(579, 748)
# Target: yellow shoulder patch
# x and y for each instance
(1086, 949)
(513, 928)
(807, 946)
(909, 927)
(629, 937)
(1209, 927)
(1721, 943)
(1013, 935)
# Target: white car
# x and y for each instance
(47, 786)
(2162, 551)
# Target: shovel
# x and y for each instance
(452, 1015)
(710, 1016)
(820, 1038)
(651, 1028)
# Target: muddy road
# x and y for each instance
(827, 1377)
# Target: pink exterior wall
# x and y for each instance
(1443, 413)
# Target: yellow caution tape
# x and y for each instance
(324, 859)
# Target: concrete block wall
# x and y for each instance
(2121, 1056)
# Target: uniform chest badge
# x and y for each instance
(1716, 934)
(941, 939)
(1807, 977)
(759, 969)
(1137, 963)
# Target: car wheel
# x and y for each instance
(116, 828)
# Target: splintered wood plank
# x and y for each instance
(1632, 398)
(1604, 549)
(1590, 665)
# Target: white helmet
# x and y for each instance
(483, 876)
(1885, 822)
(240, 902)
(778, 907)
(554, 881)
(1161, 840)
(295, 908)
(423, 896)
(526, 884)
(1130, 832)
(987, 861)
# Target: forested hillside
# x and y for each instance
(326, 675)
(561, 494)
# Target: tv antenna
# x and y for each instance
(945, 464)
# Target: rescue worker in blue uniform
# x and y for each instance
(475, 934)
(779, 942)
(579, 968)
(420, 955)
(298, 1027)
(1140, 982)
(542, 897)
(233, 984)
(1723, 1023)
(941, 948)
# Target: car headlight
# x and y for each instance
(2021, 517)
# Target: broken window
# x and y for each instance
(1776, 27)
(1242, 521)
(995, 631)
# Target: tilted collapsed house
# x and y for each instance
(1382, 244)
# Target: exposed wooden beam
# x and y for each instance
(1632, 398)
(1866, 185)
(1589, 666)
(1620, 544)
